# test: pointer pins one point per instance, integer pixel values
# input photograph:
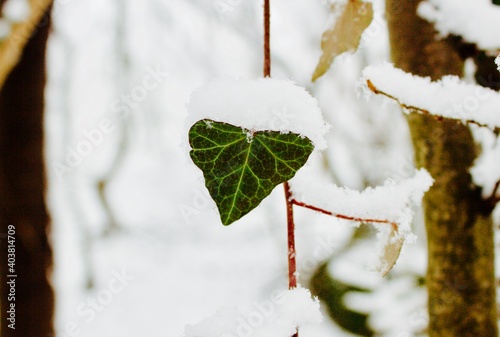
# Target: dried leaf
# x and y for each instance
(391, 250)
(345, 33)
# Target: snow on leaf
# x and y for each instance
(345, 33)
(241, 167)
(261, 104)
(449, 97)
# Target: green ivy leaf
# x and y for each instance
(242, 167)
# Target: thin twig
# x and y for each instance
(374, 89)
(292, 266)
(342, 216)
(292, 263)
(267, 39)
(493, 199)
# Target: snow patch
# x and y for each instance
(16, 10)
(449, 97)
(280, 317)
(477, 21)
(486, 169)
(263, 104)
(5, 28)
(392, 201)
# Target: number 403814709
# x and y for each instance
(11, 248)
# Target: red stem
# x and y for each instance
(314, 208)
(267, 39)
(292, 266)
(341, 216)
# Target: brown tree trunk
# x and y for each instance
(460, 275)
(22, 192)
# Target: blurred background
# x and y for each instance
(138, 245)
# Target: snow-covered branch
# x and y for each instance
(447, 98)
(391, 204)
(477, 21)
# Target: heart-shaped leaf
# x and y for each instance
(242, 167)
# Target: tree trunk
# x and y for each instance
(22, 190)
(460, 275)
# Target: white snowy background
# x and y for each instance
(169, 262)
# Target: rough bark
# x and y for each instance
(22, 192)
(460, 275)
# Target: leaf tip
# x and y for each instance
(226, 222)
(317, 74)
